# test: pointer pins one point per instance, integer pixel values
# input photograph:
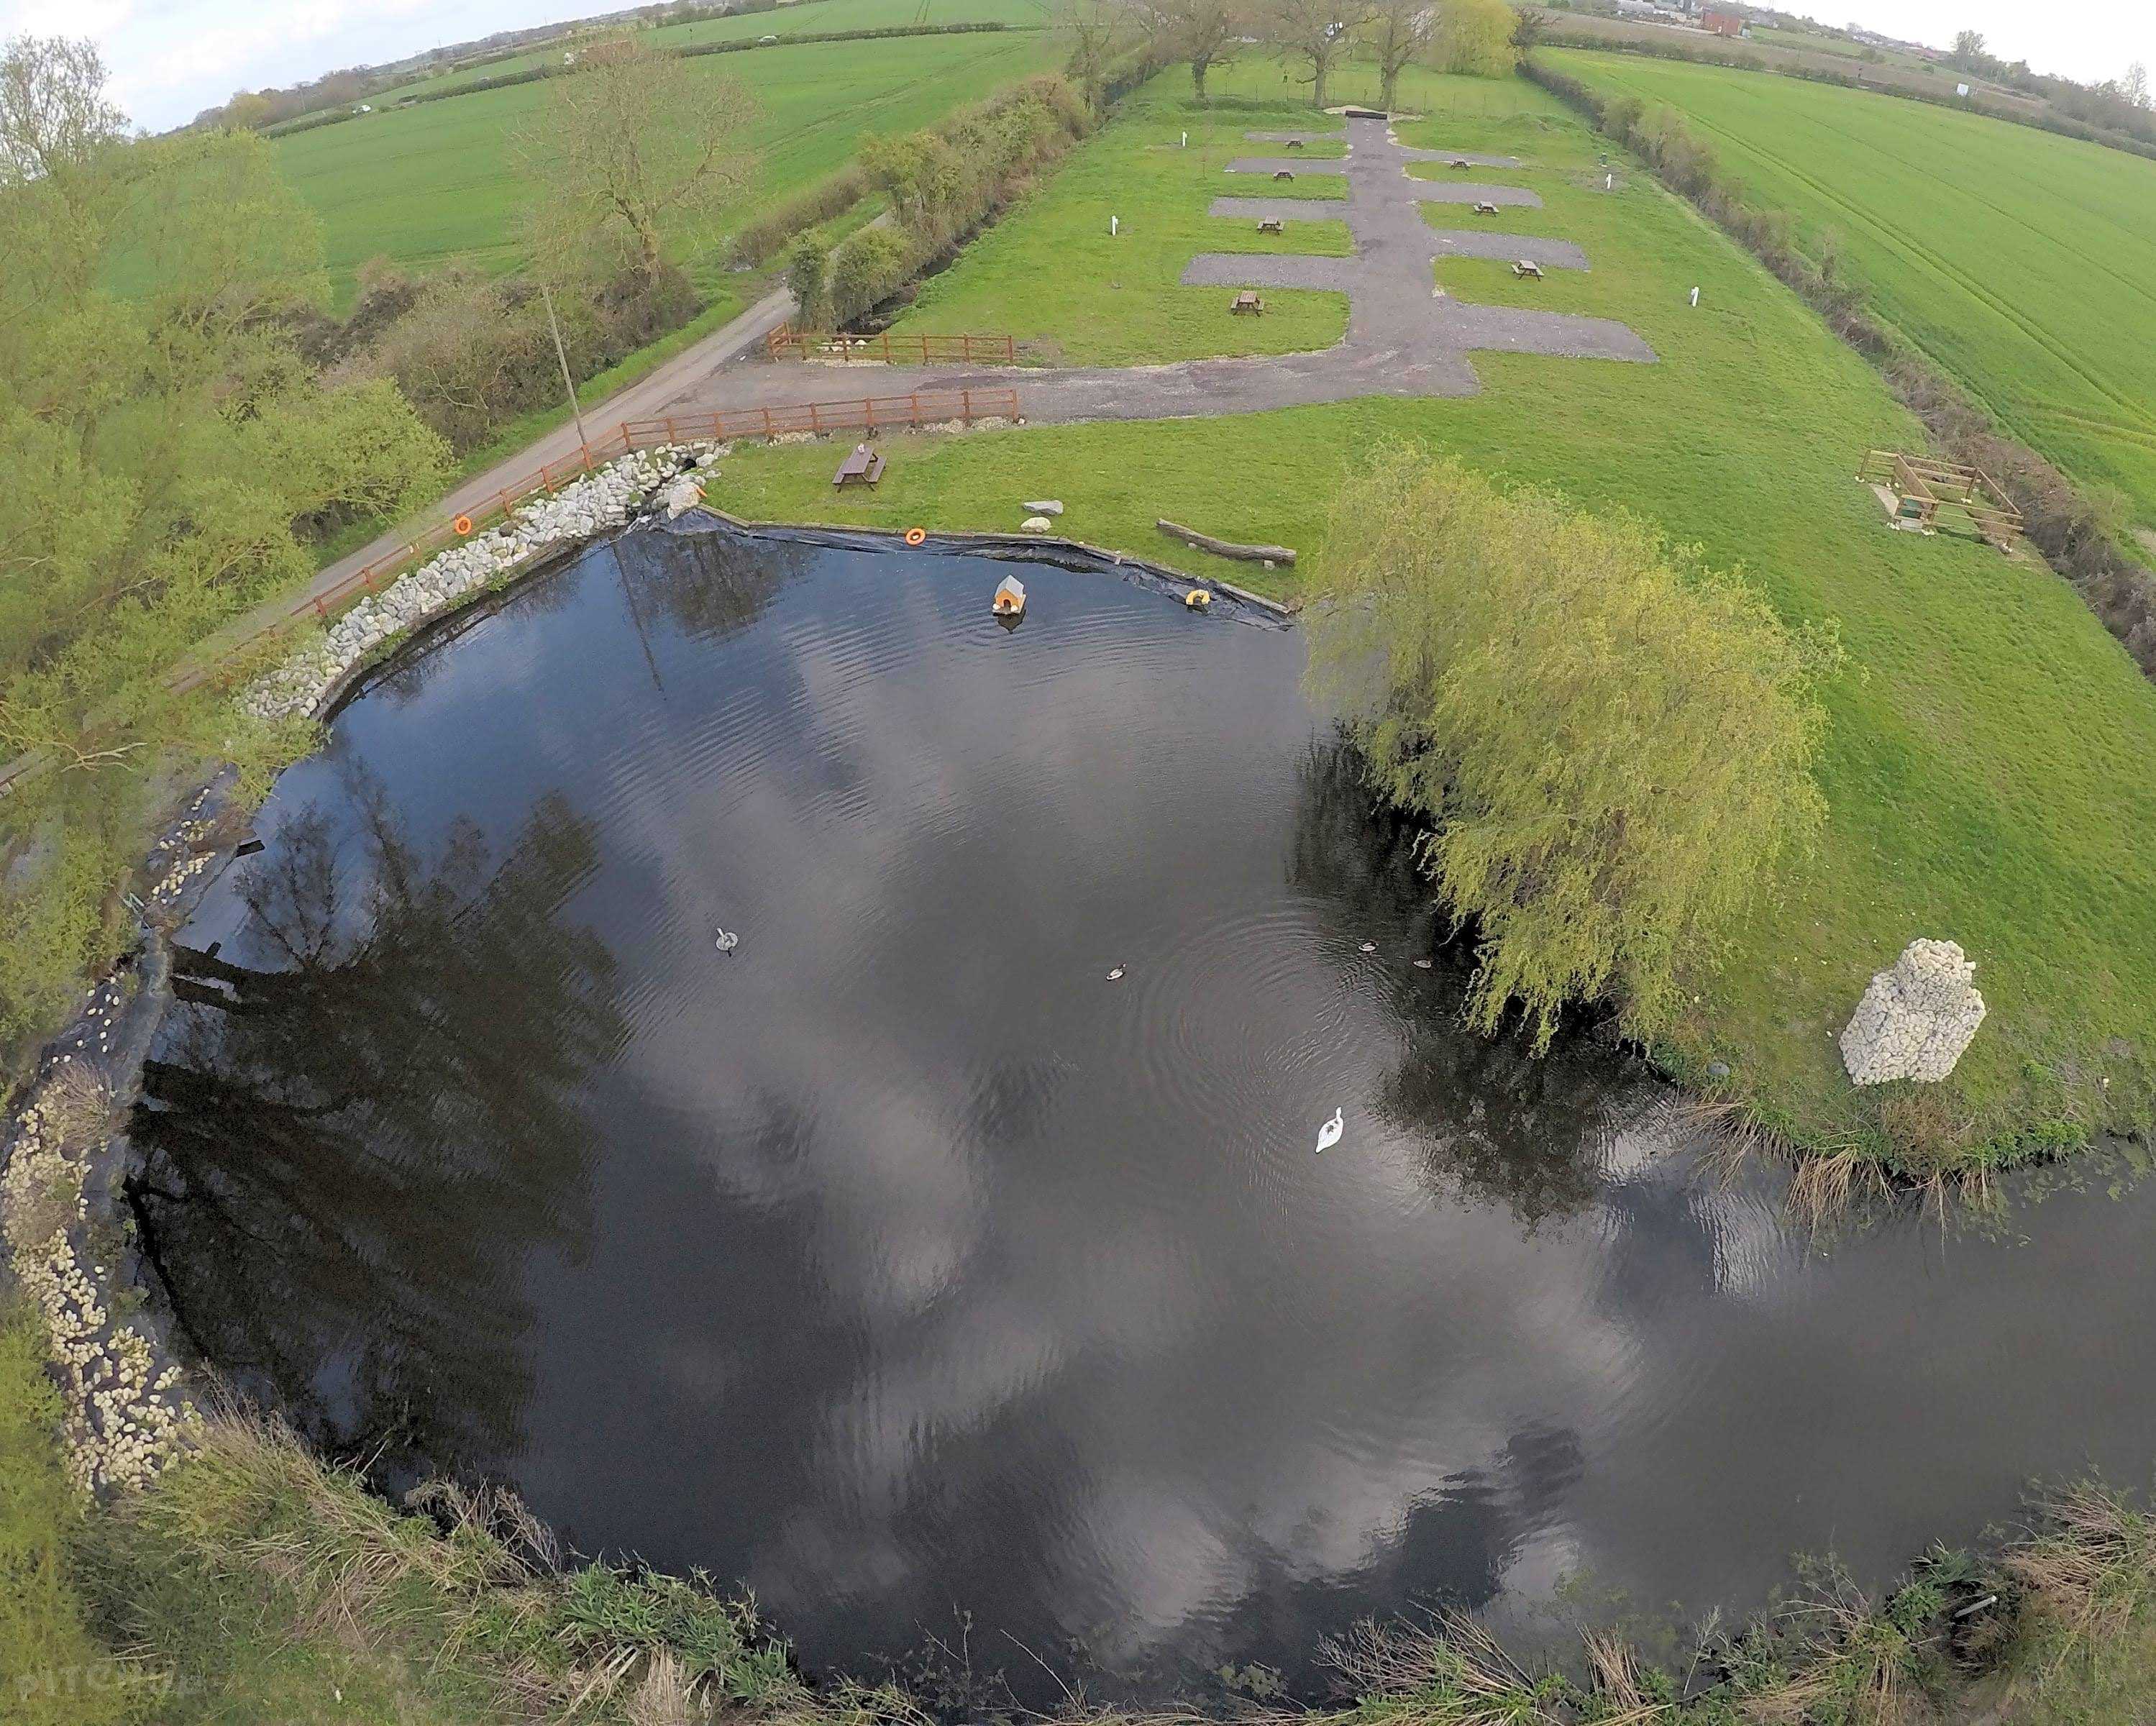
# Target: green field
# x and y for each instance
(435, 182)
(1986, 768)
(809, 16)
(2022, 263)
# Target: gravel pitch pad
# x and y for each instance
(1403, 338)
(1468, 157)
(1467, 192)
(1297, 165)
(1295, 137)
(1488, 243)
(1278, 209)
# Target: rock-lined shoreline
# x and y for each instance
(62, 1218)
(608, 498)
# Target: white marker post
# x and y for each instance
(1115, 224)
(1186, 141)
(1695, 296)
(1609, 181)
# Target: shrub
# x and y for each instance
(868, 267)
(1613, 747)
(764, 239)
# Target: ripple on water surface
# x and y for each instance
(900, 1264)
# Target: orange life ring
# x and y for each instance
(914, 536)
(462, 524)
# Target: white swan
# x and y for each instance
(727, 942)
(1328, 1135)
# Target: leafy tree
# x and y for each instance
(1477, 37)
(1969, 52)
(870, 267)
(635, 149)
(1199, 33)
(1613, 748)
(808, 276)
(1320, 33)
(166, 451)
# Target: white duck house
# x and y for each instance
(1010, 597)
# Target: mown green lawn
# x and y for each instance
(426, 184)
(2022, 263)
(1986, 767)
(1116, 299)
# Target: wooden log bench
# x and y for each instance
(863, 467)
(1281, 555)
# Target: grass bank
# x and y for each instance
(1983, 765)
(252, 1583)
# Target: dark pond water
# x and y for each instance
(905, 1267)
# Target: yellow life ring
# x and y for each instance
(1198, 598)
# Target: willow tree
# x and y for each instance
(1476, 37)
(634, 151)
(1611, 745)
(167, 459)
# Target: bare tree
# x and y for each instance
(632, 149)
(1400, 31)
(2135, 87)
(1200, 33)
(1320, 33)
(1097, 31)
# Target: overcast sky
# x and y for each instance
(170, 59)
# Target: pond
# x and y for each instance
(950, 1293)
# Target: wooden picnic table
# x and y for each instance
(1283, 173)
(1272, 224)
(1528, 266)
(863, 467)
(1485, 208)
(1248, 304)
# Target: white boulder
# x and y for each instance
(1035, 524)
(1916, 1019)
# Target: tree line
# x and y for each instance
(1480, 38)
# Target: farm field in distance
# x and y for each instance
(807, 17)
(1983, 767)
(437, 182)
(2017, 261)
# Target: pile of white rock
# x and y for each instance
(580, 511)
(1916, 1019)
(125, 1421)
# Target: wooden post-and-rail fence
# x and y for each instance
(871, 413)
(884, 348)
